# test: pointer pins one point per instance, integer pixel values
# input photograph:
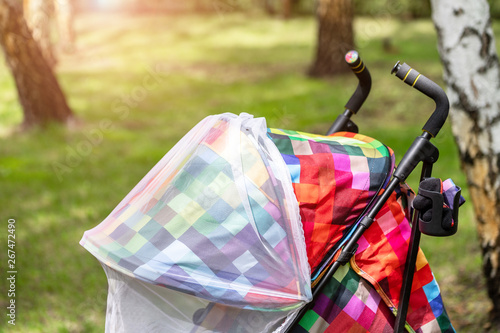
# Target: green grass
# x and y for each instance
(59, 182)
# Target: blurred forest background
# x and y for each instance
(140, 74)
(406, 8)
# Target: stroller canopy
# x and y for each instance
(217, 219)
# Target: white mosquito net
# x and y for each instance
(210, 240)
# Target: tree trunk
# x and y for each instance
(64, 12)
(269, 6)
(472, 74)
(37, 15)
(335, 37)
(287, 8)
(39, 92)
(419, 8)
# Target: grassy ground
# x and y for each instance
(138, 84)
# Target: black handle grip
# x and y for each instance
(365, 81)
(418, 81)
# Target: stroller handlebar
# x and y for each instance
(365, 81)
(428, 87)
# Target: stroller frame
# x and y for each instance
(422, 150)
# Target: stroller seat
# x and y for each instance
(334, 179)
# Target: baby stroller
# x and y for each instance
(241, 228)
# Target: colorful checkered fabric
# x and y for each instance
(334, 178)
(347, 304)
(216, 218)
(381, 258)
(381, 255)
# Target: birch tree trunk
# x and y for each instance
(37, 15)
(39, 92)
(335, 37)
(472, 74)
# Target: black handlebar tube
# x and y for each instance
(418, 81)
(340, 123)
(360, 94)
(365, 81)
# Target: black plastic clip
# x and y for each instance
(438, 225)
(351, 127)
(343, 123)
(347, 254)
(421, 150)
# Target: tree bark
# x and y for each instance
(287, 8)
(269, 6)
(419, 8)
(472, 74)
(65, 17)
(39, 92)
(37, 16)
(335, 37)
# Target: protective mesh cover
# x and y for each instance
(216, 221)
